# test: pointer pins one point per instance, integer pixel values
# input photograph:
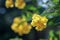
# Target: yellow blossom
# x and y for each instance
(15, 25)
(19, 27)
(20, 4)
(24, 28)
(39, 22)
(9, 3)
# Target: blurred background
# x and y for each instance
(49, 8)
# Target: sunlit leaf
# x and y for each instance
(55, 1)
(51, 33)
(29, 16)
(31, 7)
(55, 38)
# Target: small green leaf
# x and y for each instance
(51, 23)
(31, 7)
(58, 32)
(51, 33)
(29, 16)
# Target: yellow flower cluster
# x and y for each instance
(39, 22)
(9, 3)
(20, 26)
(20, 4)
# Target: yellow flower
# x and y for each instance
(16, 22)
(24, 28)
(20, 26)
(39, 22)
(20, 4)
(9, 3)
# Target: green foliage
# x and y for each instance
(51, 23)
(55, 38)
(31, 7)
(55, 1)
(16, 39)
(29, 16)
(51, 33)
(58, 32)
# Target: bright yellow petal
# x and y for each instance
(9, 3)
(17, 20)
(44, 19)
(14, 27)
(20, 30)
(20, 4)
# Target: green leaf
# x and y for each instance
(58, 32)
(16, 39)
(55, 1)
(29, 16)
(51, 33)
(55, 38)
(31, 7)
(51, 23)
